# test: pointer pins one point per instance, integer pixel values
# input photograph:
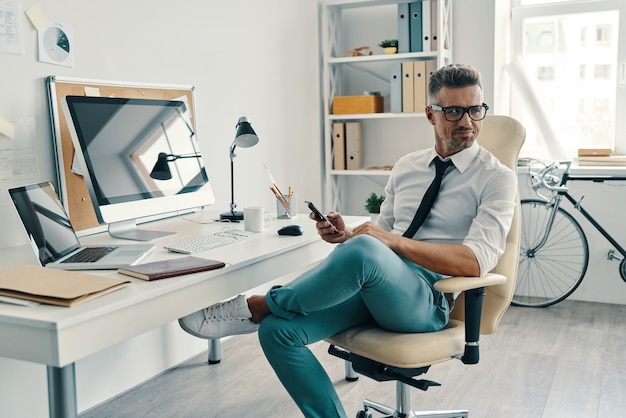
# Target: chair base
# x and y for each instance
(355, 365)
(394, 413)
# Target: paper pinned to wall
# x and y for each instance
(7, 128)
(37, 16)
(76, 167)
(56, 44)
(92, 91)
(18, 164)
(10, 27)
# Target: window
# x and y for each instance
(569, 75)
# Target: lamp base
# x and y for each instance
(233, 216)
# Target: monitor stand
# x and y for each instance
(129, 230)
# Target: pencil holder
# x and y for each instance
(286, 206)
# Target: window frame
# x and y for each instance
(520, 12)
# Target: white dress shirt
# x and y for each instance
(474, 206)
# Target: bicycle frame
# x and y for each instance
(562, 191)
(586, 214)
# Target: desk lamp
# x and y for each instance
(161, 170)
(245, 138)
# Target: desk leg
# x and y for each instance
(215, 351)
(62, 392)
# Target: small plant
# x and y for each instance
(373, 202)
(388, 43)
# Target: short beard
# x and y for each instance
(458, 146)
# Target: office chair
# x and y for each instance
(383, 355)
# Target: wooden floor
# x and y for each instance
(562, 361)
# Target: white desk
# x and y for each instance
(58, 337)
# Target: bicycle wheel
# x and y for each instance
(549, 274)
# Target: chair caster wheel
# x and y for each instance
(364, 414)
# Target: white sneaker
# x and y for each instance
(220, 320)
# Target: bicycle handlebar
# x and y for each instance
(547, 176)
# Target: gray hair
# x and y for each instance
(453, 75)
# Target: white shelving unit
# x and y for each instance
(348, 24)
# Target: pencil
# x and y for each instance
(280, 198)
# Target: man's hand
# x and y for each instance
(334, 231)
(386, 237)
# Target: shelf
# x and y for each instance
(347, 4)
(382, 57)
(364, 116)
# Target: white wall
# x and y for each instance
(244, 57)
(257, 59)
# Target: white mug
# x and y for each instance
(255, 218)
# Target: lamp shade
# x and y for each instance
(245, 136)
(161, 170)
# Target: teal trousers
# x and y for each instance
(361, 281)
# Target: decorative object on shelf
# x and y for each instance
(346, 105)
(245, 138)
(390, 46)
(360, 51)
(372, 205)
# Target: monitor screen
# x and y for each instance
(139, 157)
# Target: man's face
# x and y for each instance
(452, 137)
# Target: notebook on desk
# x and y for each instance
(52, 237)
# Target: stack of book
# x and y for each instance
(600, 156)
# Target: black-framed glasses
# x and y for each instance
(456, 113)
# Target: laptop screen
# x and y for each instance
(47, 225)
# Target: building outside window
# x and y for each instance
(569, 75)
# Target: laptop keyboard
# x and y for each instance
(89, 255)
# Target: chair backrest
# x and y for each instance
(503, 136)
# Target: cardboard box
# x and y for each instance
(349, 105)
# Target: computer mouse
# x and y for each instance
(290, 230)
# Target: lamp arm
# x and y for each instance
(233, 205)
(171, 157)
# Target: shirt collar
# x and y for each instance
(461, 159)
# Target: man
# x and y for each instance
(376, 274)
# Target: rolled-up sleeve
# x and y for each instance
(489, 229)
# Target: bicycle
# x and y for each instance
(554, 252)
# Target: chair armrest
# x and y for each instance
(474, 288)
(461, 284)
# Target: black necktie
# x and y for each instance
(429, 198)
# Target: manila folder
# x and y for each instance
(55, 287)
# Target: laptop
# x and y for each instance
(54, 240)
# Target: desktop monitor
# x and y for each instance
(119, 142)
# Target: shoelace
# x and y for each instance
(220, 311)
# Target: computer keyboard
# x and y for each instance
(207, 242)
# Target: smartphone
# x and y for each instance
(318, 214)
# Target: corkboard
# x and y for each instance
(72, 188)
